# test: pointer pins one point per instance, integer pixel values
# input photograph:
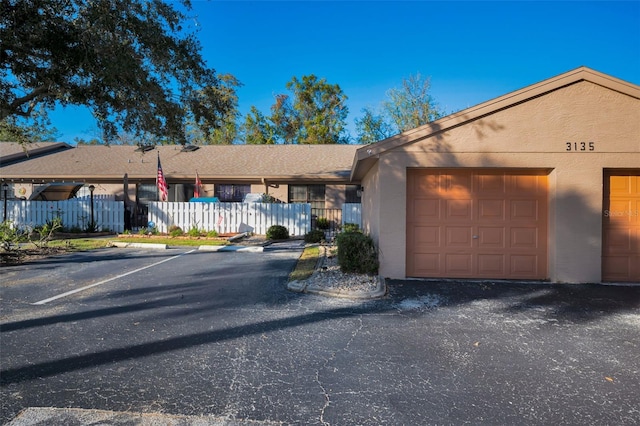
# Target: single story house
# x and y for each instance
(315, 174)
(539, 184)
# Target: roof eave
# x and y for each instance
(367, 156)
(28, 153)
(340, 177)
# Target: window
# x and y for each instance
(147, 193)
(231, 193)
(313, 194)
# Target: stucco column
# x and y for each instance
(576, 228)
(393, 219)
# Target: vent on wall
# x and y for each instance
(189, 148)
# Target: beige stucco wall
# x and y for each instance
(370, 201)
(334, 196)
(279, 191)
(533, 134)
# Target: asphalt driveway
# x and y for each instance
(215, 338)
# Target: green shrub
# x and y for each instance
(351, 227)
(10, 237)
(357, 253)
(277, 232)
(194, 232)
(322, 223)
(91, 227)
(175, 231)
(212, 234)
(314, 236)
(148, 231)
(45, 232)
(267, 198)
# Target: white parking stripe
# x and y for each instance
(78, 290)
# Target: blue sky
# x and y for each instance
(472, 51)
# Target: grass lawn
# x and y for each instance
(79, 244)
(306, 264)
(173, 241)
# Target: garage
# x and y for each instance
(621, 227)
(475, 223)
(513, 188)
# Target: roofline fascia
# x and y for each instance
(9, 159)
(180, 178)
(366, 154)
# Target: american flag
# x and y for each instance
(198, 188)
(161, 182)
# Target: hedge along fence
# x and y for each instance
(228, 218)
(74, 213)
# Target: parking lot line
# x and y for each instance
(78, 290)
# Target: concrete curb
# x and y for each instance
(302, 286)
(380, 291)
(246, 249)
(297, 286)
(138, 245)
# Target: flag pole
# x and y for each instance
(157, 186)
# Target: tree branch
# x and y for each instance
(15, 106)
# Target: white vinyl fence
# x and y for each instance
(352, 213)
(225, 218)
(101, 197)
(74, 213)
(231, 217)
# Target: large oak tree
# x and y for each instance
(131, 62)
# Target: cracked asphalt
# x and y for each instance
(187, 337)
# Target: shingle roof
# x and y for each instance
(213, 163)
(11, 152)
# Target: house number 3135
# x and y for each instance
(580, 146)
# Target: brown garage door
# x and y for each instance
(621, 227)
(477, 223)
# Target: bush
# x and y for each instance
(314, 236)
(267, 198)
(175, 231)
(351, 227)
(194, 232)
(45, 232)
(277, 232)
(212, 234)
(148, 231)
(322, 223)
(10, 237)
(357, 253)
